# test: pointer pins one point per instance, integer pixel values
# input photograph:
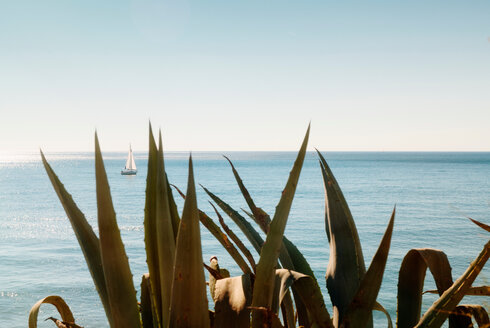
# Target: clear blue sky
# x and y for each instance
(245, 75)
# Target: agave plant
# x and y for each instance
(278, 290)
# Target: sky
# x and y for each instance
(245, 75)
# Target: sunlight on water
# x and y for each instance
(434, 193)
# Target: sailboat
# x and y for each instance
(130, 168)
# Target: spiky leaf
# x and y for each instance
(151, 244)
(224, 241)
(236, 240)
(440, 310)
(264, 283)
(89, 243)
(345, 271)
(252, 235)
(147, 307)
(361, 307)
(189, 306)
(165, 235)
(119, 280)
(411, 281)
(481, 225)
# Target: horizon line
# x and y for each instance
(256, 151)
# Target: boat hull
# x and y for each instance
(129, 172)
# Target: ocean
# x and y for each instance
(434, 193)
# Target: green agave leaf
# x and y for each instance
(481, 225)
(310, 295)
(58, 302)
(361, 307)
(301, 265)
(411, 282)
(236, 240)
(165, 235)
(247, 229)
(150, 224)
(379, 307)
(147, 307)
(263, 220)
(89, 243)
(264, 281)
(232, 297)
(215, 230)
(189, 305)
(440, 310)
(224, 241)
(119, 280)
(257, 241)
(284, 279)
(282, 297)
(344, 272)
(293, 259)
(173, 209)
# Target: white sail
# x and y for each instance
(130, 167)
(133, 164)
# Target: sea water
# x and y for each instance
(434, 193)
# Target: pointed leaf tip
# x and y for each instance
(480, 224)
(360, 308)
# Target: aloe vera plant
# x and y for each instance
(278, 290)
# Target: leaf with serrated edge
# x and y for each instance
(173, 210)
(235, 239)
(440, 310)
(259, 216)
(257, 242)
(151, 239)
(189, 305)
(411, 281)
(247, 229)
(308, 292)
(290, 257)
(165, 234)
(89, 243)
(223, 239)
(361, 307)
(119, 280)
(220, 236)
(345, 271)
(148, 309)
(215, 230)
(264, 282)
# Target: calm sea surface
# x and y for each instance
(433, 193)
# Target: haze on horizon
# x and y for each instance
(245, 75)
